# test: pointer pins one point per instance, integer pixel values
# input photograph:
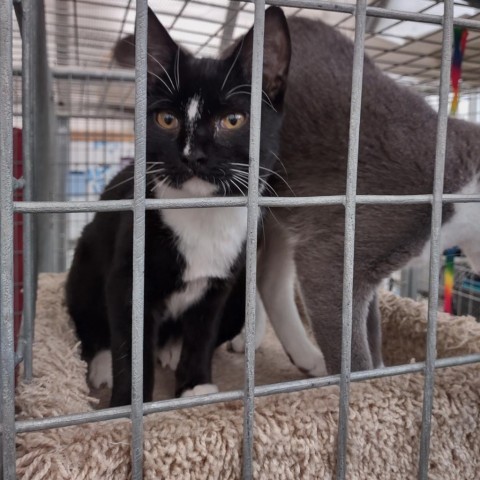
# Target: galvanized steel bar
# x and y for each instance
(372, 12)
(47, 228)
(350, 206)
(124, 205)
(28, 102)
(7, 351)
(138, 278)
(435, 238)
(252, 227)
(23, 426)
(152, 204)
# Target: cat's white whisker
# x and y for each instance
(155, 75)
(233, 64)
(224, 188)
(166, 86)
(281, 163)
(237, 87)
(279, 176)
(241, 181)
(266, 101)
(163, 68)
(177, 69)
(240, 172)
(237, 187)
(158, 186)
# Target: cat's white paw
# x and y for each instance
(237, 344)
(100, 369)
(310, 361)
(204, 389)
(169, 354)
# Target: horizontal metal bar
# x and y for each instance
(372, 12)
(78, 73)
(23, 426)
(153, 204)
(123, 205)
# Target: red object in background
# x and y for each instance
(17, 237)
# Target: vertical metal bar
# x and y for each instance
(356, 103)
(139, 236)
(44, 151)
(7, 352)
(28, 92)
(435, 238)
(252, 212)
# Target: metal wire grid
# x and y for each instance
(139, 204)
(80, 33)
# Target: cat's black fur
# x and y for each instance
(99, 285)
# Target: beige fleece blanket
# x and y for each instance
(295, 434)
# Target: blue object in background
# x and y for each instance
(76, 184)
(81, 183)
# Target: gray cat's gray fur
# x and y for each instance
(396, 156)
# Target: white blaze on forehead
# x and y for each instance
(193, 111)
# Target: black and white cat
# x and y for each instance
(197, 145)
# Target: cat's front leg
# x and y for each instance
(119, 306)
(200, 324)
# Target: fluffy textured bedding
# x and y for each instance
(295, 434)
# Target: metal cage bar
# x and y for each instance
(139, 236)
(152, 204)
(435, 239)
(7, 352)
(349, 238)
(28, 92)
(252, 226)
(34, 425)
(140, 204)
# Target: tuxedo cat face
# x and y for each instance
(198, 123)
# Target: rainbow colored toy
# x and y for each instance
(448, 280)
(459, 43)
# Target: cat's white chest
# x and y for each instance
(462, 229)
(209, 239)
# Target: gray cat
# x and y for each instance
(396, 156)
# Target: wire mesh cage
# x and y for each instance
(60, 62)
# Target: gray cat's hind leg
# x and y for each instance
(321, 279)
(374, 328)
(277, 289)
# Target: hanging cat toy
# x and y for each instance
(459, 43)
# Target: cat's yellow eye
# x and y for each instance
(167, 120)
(232, 121)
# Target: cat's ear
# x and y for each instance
(276, 54)
(160, 46)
